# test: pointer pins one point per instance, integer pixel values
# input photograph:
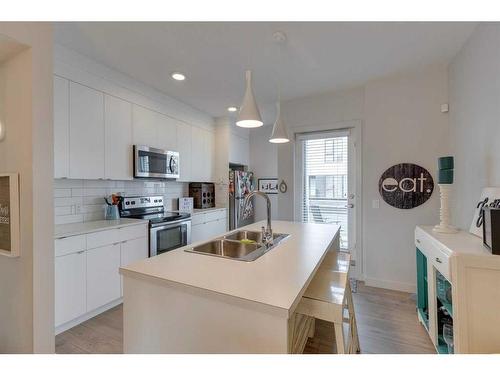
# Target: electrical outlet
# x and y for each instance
(78, 209)
(353, 263)
(376, 203)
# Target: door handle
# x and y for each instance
(439, 260)
(350, 205)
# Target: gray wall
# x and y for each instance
(474, 77)
(27, 282)
(263, 163)
(403, 123)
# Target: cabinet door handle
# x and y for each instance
(116, 243)
(439, 260)
(80, 252)
(418, 241)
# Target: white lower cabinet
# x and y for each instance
(70, 287)
(103, 279)
(87, 274)
(207, 225)
(131, 251)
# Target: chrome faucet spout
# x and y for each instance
(268, 232)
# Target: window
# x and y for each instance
(335, 149)
(325, 180)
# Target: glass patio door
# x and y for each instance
(325, 162)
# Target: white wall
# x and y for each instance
(475, 120)
(401, 122)
(27, 282)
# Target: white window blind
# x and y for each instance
(325, 179)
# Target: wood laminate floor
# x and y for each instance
(387, 323)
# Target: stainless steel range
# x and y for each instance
(167, 230)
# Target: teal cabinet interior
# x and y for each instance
(422, 291)
(444, 312)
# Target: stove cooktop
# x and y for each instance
(162, 217)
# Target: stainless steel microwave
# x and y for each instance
(155, 163)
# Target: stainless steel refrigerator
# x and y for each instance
(240, 185)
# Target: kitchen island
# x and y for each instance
(183, 302)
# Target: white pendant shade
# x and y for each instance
(249, 115)
(280, 133)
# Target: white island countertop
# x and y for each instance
(278, 278)
(74, 229)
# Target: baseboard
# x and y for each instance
(72, 323)
(392, 285)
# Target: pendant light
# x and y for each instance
(280, 133)
(249, 115)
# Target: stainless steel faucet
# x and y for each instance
(267, 233)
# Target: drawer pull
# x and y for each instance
(439, 260)
(80, 252)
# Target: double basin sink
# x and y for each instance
(242, 245)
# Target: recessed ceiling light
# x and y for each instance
(232, 109)
(178, 76)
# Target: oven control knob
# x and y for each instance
(127, 203)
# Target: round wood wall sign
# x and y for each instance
(406, 185)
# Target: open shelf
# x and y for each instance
(448, 306)
(424, 317)
(441, 346)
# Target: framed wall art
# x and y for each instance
(9, 214)
(268, 185)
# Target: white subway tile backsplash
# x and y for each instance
(83, 200)
(94, 192)
(65, 183)
(60, 202)
(62, 193)
(77, 192)
(60, 211)
(98, 183)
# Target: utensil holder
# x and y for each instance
(112, 213)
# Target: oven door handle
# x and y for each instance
(171, 224)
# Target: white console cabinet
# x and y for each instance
(459, 261)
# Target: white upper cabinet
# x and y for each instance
(154, 129)
(167, 133)
(185, 150)
(61, 127)
(118, 135)
(197, 156)
(144, 126)
(86, 130)
(209, 148)
(239, 149)
(94, 134)
(202, 154)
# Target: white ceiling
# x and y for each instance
(317, 57)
